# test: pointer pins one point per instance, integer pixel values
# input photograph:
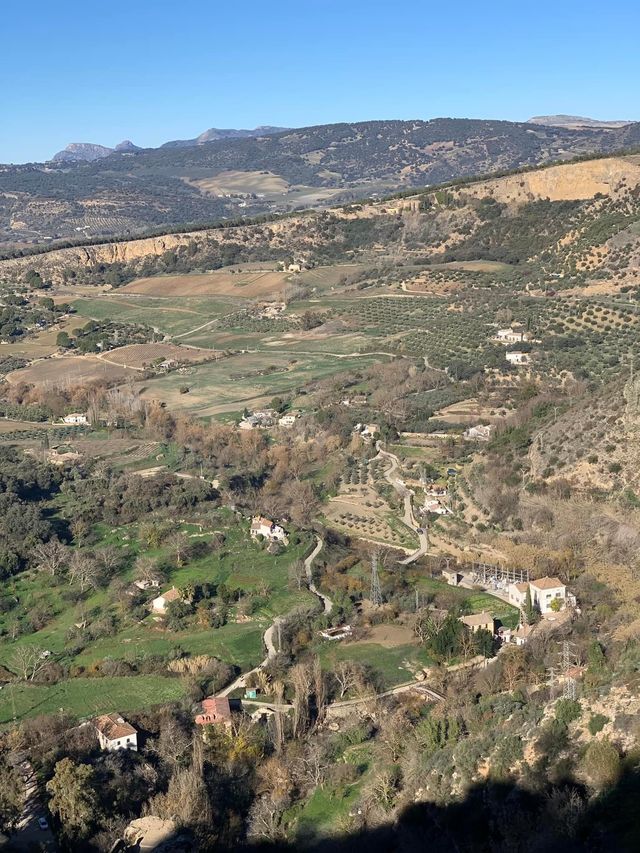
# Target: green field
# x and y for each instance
(240, 564)
(233, 383)
(173, 316)
(389, 664)
(88, 696)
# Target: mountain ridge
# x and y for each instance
(134, 191)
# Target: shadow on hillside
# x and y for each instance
(499, 818)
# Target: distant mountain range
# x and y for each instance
(577, 122)
(88, 151)
(247, 173)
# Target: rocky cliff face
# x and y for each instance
(86, 151)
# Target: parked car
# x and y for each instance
(42, 823)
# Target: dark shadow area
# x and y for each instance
(499, 818)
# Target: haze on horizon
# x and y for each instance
(148, 75)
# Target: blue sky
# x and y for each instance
(152, 71)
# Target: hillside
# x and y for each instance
(130, 191)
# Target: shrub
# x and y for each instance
(601, 763)
(597, 723)
(567, 710)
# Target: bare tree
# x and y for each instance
(28, 661)
(179, 544)
(109, 559)
(83, 570)
(297, 574)
(346, 674)
(313, 764)
(50, 556)
(301, 680)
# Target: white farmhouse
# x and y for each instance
(114, 733)
(480, 432)
(261, 526)
(75, 419)
(288, 420)
(517, 357)
(512, 336)
(545, 591)
(159, 604)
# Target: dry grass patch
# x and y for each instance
(70, 370)
(250, 284)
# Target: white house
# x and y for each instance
(159, 604)
(517, 357)
(518, 593)
(545, 591)
(76, 418)
(512, 336)
(261, 526)
(114, 732)
(481, 432)
(288, 420)
(521, 634)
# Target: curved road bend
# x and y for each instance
(268, 637)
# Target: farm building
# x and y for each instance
(481, 432)
(261, 526)
(451, 576)
(114, 732)
(289, 419)
(478, 622)
(512, 335)
(75, 419)
(517, 357)
(159, 604)
(214, 710)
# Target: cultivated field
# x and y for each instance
(171, 316)
(241, 183)
(70, 370)
(248, 379)
(140, 356)
(248, 284)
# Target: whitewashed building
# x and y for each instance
(114, 733)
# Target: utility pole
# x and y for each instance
(376, 592)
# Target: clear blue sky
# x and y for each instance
(105, 70)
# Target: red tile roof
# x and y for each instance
(113, 726)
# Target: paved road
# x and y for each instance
(28, 835)
(327, 604)
(408, 518)
(269, 635)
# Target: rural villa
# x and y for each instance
(114, 733)
(261, 526)
(544, 592)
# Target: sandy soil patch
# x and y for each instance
(470, 411)
(388, 636)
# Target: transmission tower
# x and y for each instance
(563, 671)
(376, 592)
